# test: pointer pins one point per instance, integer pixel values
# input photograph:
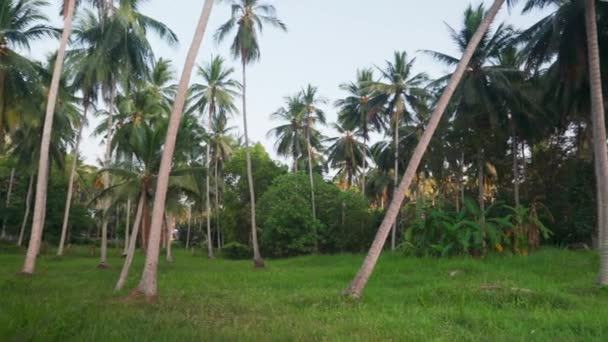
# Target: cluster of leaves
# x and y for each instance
(436, 231)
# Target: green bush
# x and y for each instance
(236, 251)
(288, 229)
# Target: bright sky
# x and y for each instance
(328, 40)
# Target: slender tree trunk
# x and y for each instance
(481, 197)
(355, 289)
(258, 262)
(217, 203)
(599, 130)
(189, 227)
(515, 152)
(29, 264)
(2, 105)
(124, 273)
(8, 201)
(148, 286)
(26, 215)
(312, 187)
(396, 182)
(68, 201)
(103, 262)
(127, 219)
(170, 222)
(208, 189)
(364, 171)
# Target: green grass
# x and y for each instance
(549, 296)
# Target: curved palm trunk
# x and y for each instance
(312, 189)
(148, 286)
(26, 215)
(396, 181)
(356, 287)
(124, 273)
(258, 262)
(68, 200)
(8, 201)
(208, 189)
(599, 130)
(42, 182)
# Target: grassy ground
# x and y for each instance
(549, 296)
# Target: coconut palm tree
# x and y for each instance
(347, 154)
(21, 23)
(42, 181)
(358, 111)
(248, 18)
(599, 133)
(290, 136)
(401, 90)
(215, 96)
(147, 286)
(357, 286)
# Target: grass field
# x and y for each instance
(549, 296)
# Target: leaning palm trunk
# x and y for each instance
(42, 182)
(8, 201)
(355, 289)
(124, 273)
(148, 286)
(312, 189)
(208, 190)
(599, 135)
(396, 181)
(258, 262)
(26, 215)
(68, 200)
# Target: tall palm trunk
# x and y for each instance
(481, 197)
(312, 188)
(26, 215)
(258, 262)
(189, 227)
(127, 220)
(103, 262)
(217, 203)
(147, 285)
(208, 188)
(599, 130)
(396, 181)
(355, 289)
(132, 242)
(42, 182)
(364, 171)
(11, 180)
(68, 200)
(515, 152)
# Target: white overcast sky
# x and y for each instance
(328, 40)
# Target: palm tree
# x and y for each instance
(21, 23)
(312, 115)
(357, 286)
(42, 181)
(147, 285)
(358, 111)
(599, 133)
(248, 17)
(347, 154)
(215, 96)
(290, 136)
(402, 92)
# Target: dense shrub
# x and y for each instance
(236, 251)
(343, 219)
